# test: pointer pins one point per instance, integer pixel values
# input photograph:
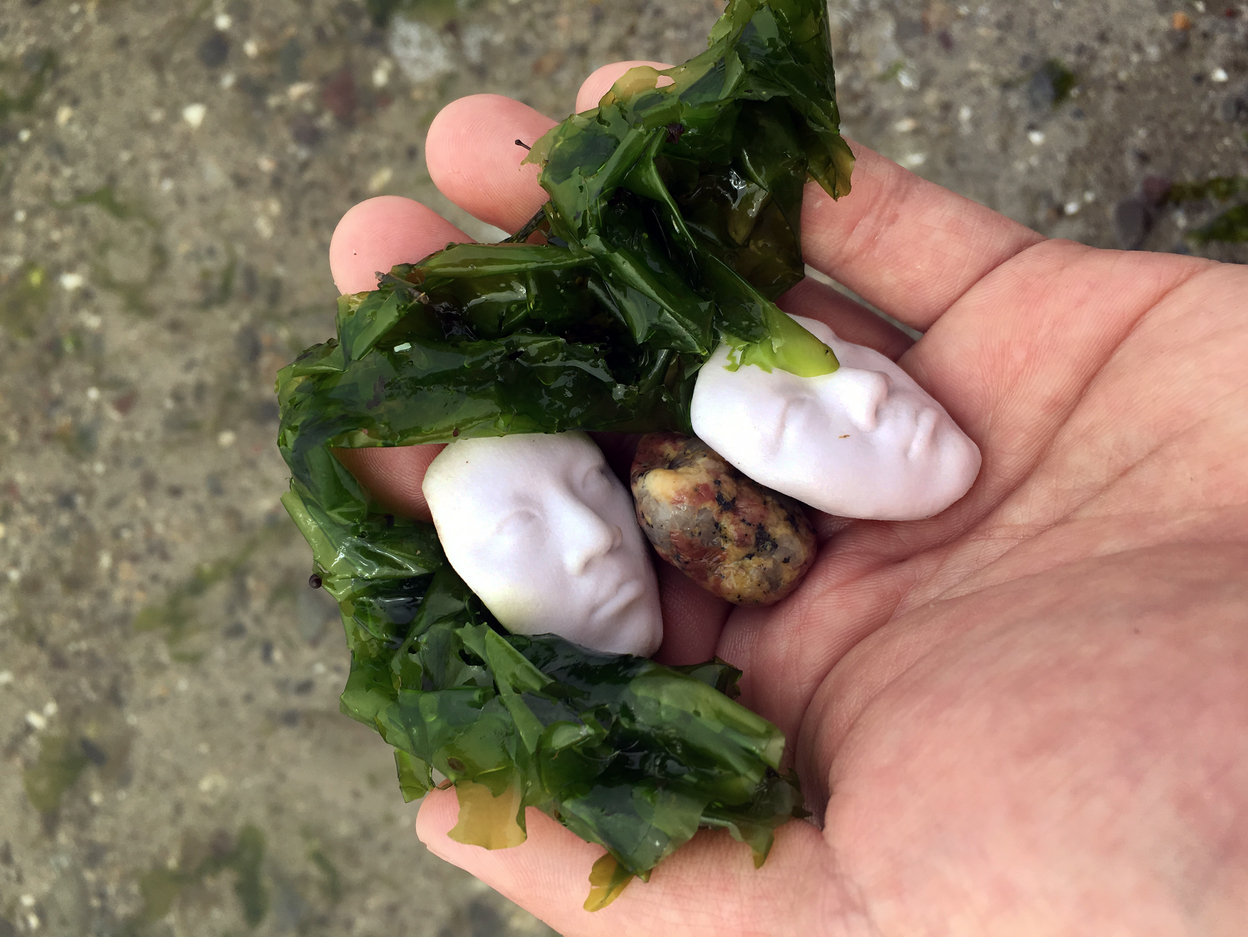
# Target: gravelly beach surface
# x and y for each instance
(172, 759)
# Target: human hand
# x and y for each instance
(1028, 714)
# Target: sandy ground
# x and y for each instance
(172, 759)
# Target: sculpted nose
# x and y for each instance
(586, 536)
(862, 393)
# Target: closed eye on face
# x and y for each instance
(793, 415)
(595, 480)
(524, 523)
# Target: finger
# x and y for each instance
(851, 321)
(392, 477)
(905, 245)
(374, 236)
(378, 233)
(692, 618)
(473, 158)
(708, 887)
(600, 81)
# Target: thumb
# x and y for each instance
(707, 888)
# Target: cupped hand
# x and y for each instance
(1027, 715)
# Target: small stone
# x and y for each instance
(36, 721)
(1234, 108)
(1155, 189)
(380, 179)
(193, 114)
(96, 755)
(1035, 136)
(223, 21)
(730, 535)
(214, 50)
(305, 131)
(1180, 21)
(6, 677)
(1133, 219)
(1050, 85)
(226, 438)
(339, 95)
(1219, 76)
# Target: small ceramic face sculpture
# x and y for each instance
(865, 441)
(545, 534)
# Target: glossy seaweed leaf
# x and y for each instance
(1230, 227)
(673, 224)
(621, 750)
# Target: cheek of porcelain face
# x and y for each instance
(545, 534)
(865, 441)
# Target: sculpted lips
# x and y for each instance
(619, 596)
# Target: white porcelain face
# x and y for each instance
(865, 441)
(540, 528)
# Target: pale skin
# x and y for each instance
(1027, 715)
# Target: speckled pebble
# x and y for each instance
(735, 538)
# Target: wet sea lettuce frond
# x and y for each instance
(673, 223)
(624, 752)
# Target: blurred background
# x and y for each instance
(172, 759)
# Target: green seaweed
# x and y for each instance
(131, 292)
(25, 100)
(175, 614)
(24, 299)
(105, 198)
(160, 886)
(331, 886)
(1218, 188)
(673, 223)
(436, 12)
(893, 71)
(1230, 227)
(60, 764)
(220, 292)
(1060, 78)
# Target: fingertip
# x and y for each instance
(474, 160)
(693, 619)
(600, 81)
(393, 476)
(380, 232)
(439, 811)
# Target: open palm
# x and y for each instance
(1028, 715)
